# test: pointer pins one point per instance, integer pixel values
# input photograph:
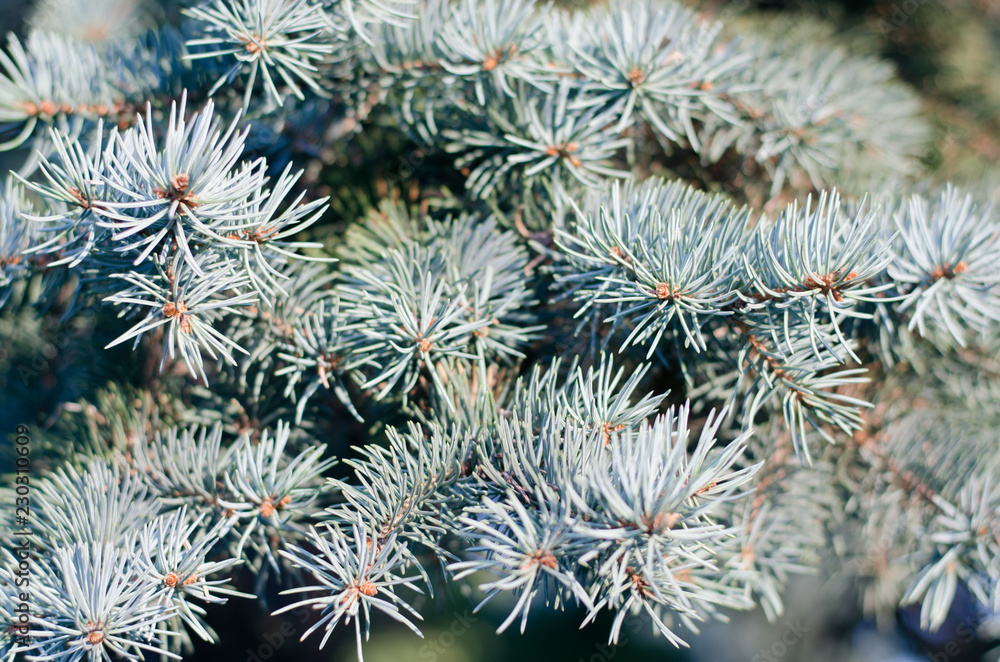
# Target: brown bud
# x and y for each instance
(674, 57)
(266, 508)
(78, 196)
(180, 182)
(662, 522)
(665, 291)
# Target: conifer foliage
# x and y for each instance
(646, 318)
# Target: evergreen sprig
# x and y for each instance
(607, 339)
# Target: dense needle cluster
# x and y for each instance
(606, 337)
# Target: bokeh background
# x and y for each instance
(949, 50)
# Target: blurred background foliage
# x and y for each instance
(949, 50)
